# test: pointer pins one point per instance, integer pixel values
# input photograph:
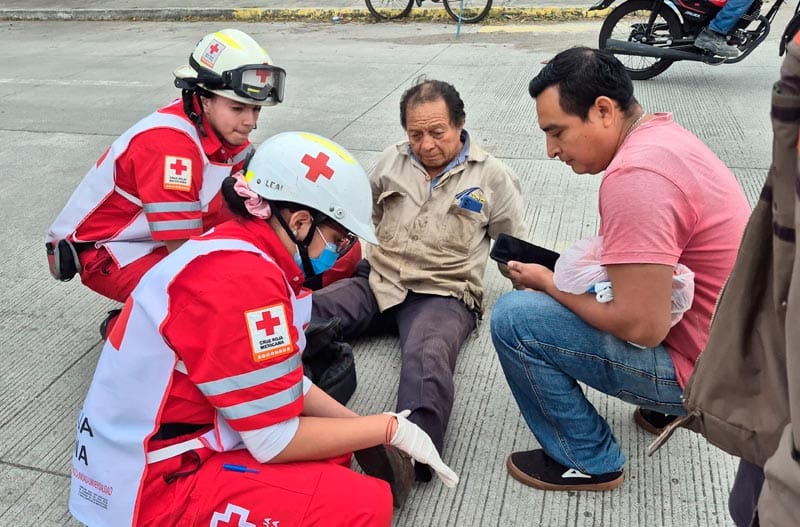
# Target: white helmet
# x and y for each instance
(307, 169)
(231, 64)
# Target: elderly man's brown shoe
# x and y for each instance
(389, 464)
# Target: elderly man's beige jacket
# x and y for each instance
(429, 242)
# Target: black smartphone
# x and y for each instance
(507, 248)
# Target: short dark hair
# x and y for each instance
(432, 90)
(582, 75)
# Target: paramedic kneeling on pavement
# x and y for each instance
(664, 199)
(158, 184)
(439, 198)
(198, 412)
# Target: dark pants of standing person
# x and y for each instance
(432, 330)
(743, 499)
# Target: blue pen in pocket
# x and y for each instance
(239, 468)
(465, 192)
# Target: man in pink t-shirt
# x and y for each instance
(665, 199)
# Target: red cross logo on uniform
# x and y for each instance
(178, 167)
(267, 323)
(317, 166)
(214, 48)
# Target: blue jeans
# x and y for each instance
(727, 17)
(545, 349)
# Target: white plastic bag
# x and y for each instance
(578, 268)
(578, 271)
(682, 292)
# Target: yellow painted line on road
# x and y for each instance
(248, 13)
(265, 13)
(497, 14)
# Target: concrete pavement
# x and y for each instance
(67, 89)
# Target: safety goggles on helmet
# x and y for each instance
(259, 82)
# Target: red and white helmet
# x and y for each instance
(231, 64)
(310, 170)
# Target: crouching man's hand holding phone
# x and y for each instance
(530, 265)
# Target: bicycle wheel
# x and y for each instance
(628, 23)
(472, 12)
(389, 9)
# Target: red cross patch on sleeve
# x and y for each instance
(177, 173)
(269, 332)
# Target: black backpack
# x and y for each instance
(328, 361)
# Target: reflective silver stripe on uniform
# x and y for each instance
(167, 452)
(265, 404)
(172, 206)
(127, 195)
(241, 156)
(175, 225)
(250, 379)
(181, 367)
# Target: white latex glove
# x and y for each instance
(412, 440)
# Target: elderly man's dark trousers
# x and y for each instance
(432, 330)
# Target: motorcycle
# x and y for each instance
(649, 35)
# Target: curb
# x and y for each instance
(497, 15)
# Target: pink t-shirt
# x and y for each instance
(666, 198)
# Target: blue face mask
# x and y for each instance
(326, 259)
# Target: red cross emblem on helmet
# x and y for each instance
(212, 53)
(317, 166)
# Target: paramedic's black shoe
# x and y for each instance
(653, 422)
(389, 464)
(104, 325)
(536, 469)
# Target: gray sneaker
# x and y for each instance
(715, 43)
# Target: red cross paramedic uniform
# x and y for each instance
(209, 344)
(159, 181)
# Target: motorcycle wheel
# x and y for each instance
(628, 22)
(389, 9)
(474, 10)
